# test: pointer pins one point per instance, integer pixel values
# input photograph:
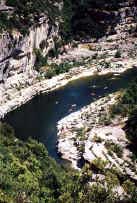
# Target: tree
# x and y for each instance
(131, 127)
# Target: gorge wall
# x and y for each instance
(100, 18)
(17, 48)
(89, 19)
(17, 53)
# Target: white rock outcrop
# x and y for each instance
(17, 52)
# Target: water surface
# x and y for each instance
(38, 118)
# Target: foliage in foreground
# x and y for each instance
(127, 106)
(27, 174)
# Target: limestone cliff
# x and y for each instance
(17, 49)
(95, 19)
(17, 52)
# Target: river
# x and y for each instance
(38, 118)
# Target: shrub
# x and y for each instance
(27, 172)
(111, 179)
(112, 147)
(128, 101)
(131, 190)
(97, 139)
(40, 59)
(99, 164)
(27, 13)
(118, 54)
(131, 127)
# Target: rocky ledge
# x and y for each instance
(90, 135)
(91, 138)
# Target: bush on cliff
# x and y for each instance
(131, 127)
(28, 174)
(27, 13)
(127, 103)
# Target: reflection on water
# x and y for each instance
(39, 117)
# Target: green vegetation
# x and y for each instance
(112, 147)
(100, 164)
(67, 13)
(127, 106)
(97, 139)
(27, 13)
(118, 54)
(127, 103)
(111, 179)
(83, 17)
(81, 134)
(40, 59)
(54, 69)
(131, 190)
(131, 128)
(26, 170)
(28, 174)
(105, 64)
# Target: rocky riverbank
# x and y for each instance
(90, 134)
(21, 88)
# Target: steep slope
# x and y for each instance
(100, 18)
(32, 28)
(29, 31)
(26, 27)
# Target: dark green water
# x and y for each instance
(39, 117)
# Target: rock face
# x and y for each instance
(100, 18)
(82, 134)
(17, 52)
